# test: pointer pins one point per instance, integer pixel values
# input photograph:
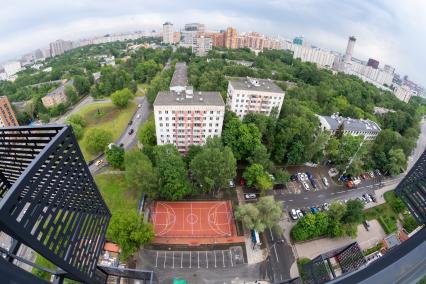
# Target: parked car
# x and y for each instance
(131, 131)
(377, 173)
(293, 178)
(371, 174)
(325, 181)
(138, 116)
(250, 196)
(130, 122)
(231, 183)
(306, 186)
(314, 210)
(139, 105)
(310, 176)
(293, 214)
(373, 197)
(303, 211)
(299, 213)
(121, 145)
(366, 225)
(99, 162)
(314, 183)
(326, 206)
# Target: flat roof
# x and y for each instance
(198, 98)
(254, 84)
(180, 77)
(351, 124)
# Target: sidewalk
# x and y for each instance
(253, 255)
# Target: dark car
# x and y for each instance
(373, 197)
(314, 183)
(121, 145)
(293, 178)
(310, 176)
(130, 122)
(131, 131)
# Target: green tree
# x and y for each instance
(81, 84)
(282, 176)
(146, 71)
(256, 176)
(121, 98)
(96, 139)
(129, 231)
(271, 211)
(261, 156)
(71, 94)
(214, 166)
(397, 162)
(173, 181)
(115, 156)
(354, 212)
(140, 173)
(146, 134)
(249, 215)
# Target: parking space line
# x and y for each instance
(198, 259)
(214, 258)
(230, 256)
(165, 257)
(223, 258)
(181, 259)
(173, 260)
(156, 260)
(207, 260)
(190, 259)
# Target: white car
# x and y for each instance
(138, 116)
(293, 214)
(326, 206)
(325, 181)
(99, 162)
(250, 196)
(299, 213)
(139, 105)
(305, 185)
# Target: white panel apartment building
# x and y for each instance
(369, 129)
(201, 45)
(323, 58)
(185, 117)
(404, 93)
(168, 33)
(254, 95)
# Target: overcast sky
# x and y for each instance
(391, 31)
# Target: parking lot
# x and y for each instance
(214, 259)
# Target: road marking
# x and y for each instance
(207, 260)
(173, 260)
(181, 259)
(156, 260)
(223, 258)
(165, 257)
(230, 256)
(190, 257)
(198, 259)
(333, 193)
(276, 255)
(270, 232)
(289, 200)
(214, 258)
(305, 198)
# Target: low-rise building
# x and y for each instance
(57, 96)
(247, 95)
(184, 117)
(369, 129)
(7, 116)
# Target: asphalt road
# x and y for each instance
(280, 257)
(129, 140)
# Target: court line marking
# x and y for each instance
(173, 260)
(214, 258)
(190, 258)
(223, 258)
(198, 259)
(165, 257)
(156, 260)
(181, 259)
(207, 260)
(230, 256)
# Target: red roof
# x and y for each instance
(111, 247)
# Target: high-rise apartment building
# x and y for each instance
(201, 45)
(7, 116)
(218, 39)
(168, 33)
(11, 68)
(231, 38)
(349, 49)
(404, 93)
(59, 47)
(185, 117)
(190, 31)
(323, 58)
(247, 95)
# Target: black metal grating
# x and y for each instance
(412, 189)
(48, 199)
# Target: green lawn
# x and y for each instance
(113, 188)
(386, 216)
(106, 116)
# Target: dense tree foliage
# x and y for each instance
(129, 231)
(140, 174)
(121, 98)
(96, 139)
(214, 166)
(256, 176)
(77, 123)
(115, 156)
(146, 133)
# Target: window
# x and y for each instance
(159, 112)
(160, 118)
(167, 111)
(161, 124)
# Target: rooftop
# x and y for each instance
(351, 124)
(392, 241)
(254, 84)
(198, 98)
(180, 75)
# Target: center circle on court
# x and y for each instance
(192, 219)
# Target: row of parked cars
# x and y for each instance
(299, 213)
(355, 180)
(304, 178)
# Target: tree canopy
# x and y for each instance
(97, 139)
(121, 98)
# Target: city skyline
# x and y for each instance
(387, 32)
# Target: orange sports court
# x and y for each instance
(194, 223)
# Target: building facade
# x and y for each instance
(168, 33)
(349, 49)
(230, 38)
(11, 68)
(184, 117)
(190, 31)
(57, 96)
(7, 116)
(201, 45)
(247, 95)
(369, 129)
(404, 93)
(322, 58)
(373, 63)
(60, 47)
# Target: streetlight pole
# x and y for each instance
(351, 160)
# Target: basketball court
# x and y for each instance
(194, 222)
